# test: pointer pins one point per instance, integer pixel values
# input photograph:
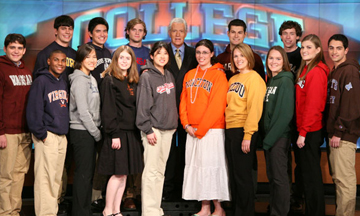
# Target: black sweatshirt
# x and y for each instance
(118, 101)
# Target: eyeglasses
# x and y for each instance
(204, 53)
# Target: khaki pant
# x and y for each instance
(14, 164)
(342, 161)
(155, 157)
(48, 169)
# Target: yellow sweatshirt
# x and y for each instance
(245, 99)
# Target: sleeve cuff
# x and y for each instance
(338, 133)
(149, 131)
(302, 133)
(247, 136)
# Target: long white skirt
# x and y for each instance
(206, 176)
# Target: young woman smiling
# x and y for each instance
(243, 112)
(311, 93)
(121, 153)
(84, 127)
(275, 126)
(157, 118)
(202, 107)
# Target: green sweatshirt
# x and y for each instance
(278, 110)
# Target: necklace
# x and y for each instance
(197, 87)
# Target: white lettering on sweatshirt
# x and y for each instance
(21, 80)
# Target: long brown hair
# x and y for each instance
(114, 69)
(319, 57)
(286, 64)
(247, 53)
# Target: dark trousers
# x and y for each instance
(309, 157)
(298, 188)
(174, 174)
(84, 156)
(276, 169)
(240, 167)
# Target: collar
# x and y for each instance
(182, 49)
(17, 64)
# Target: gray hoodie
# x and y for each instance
(155, 100)
(84, 103)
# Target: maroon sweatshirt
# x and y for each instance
(225, 59)
(15, 82)
(344, 101)
(311, 99)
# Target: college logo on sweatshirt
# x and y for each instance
(21, 80)
(165, 88)
(93, 88)
(227, 66)
(130, 89)
(105, 61)
(198, 82)
(301, 83)
(270, 90)
(238, 88)
(59, 95)
(334, 84)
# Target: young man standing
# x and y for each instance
(182, 59)
(343, 123)
(64, 29)
(15, 148)
(98, 31)
(135, 32)
(47, 115)
(237, 33)
(290, 33)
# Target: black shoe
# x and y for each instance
(63, 209)
(167, 198)
(98, 204)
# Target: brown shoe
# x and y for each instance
(129, 204)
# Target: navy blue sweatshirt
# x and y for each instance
(47, 108)
(43, 55)
(142, 54)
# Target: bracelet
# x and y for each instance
(186, 126)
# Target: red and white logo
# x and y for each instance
(165, 88)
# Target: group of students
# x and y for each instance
(225, 111)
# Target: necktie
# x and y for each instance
(178, 58)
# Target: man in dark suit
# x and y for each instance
(182, 59)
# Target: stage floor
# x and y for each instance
(187, 208)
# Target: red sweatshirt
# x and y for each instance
(311, 96)
(15, 84)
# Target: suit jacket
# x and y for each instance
(189, 62)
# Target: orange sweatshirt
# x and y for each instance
(245, 99)
(203, 99)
